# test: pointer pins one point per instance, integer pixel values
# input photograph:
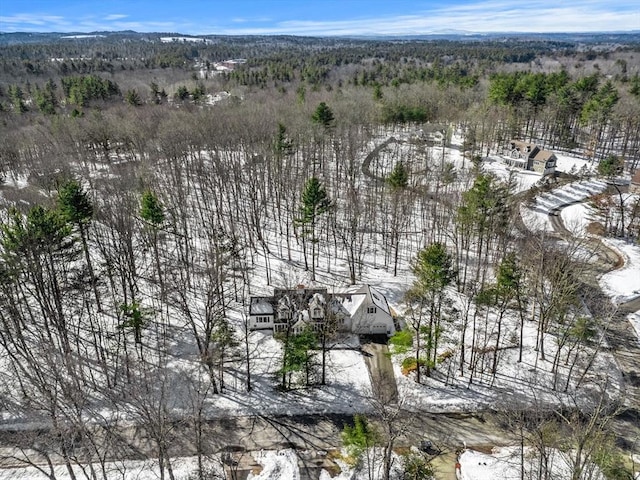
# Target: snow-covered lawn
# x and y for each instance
(623, 284)
(523, 179)
(574, 165)
(536, 216)
(505, 464)
(577, 217)
(348, 385)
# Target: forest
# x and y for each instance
(150, 188)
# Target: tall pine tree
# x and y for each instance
(315, 203)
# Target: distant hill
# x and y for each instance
(451, 35)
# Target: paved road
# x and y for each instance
(310, 435)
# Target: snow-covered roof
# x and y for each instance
(260, 306)
(351, 302)
(347, 302)
(317, 298)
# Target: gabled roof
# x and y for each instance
(346, 303)
(379, 300)
(260, 306)
(525, 147)
(351, 301)
(543, 155)
(337, 307)
(318, 299)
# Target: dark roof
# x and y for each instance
(525, 147)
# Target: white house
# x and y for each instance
(362, 310)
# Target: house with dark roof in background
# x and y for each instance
(530, 156)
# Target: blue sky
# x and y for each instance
(319, 17)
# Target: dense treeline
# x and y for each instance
(588, 101)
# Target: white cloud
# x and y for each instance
(484, 16)
(481, 16)
(32, 19)
(115, 16)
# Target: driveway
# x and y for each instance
(383, 380)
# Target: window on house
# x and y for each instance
(372, 309)
(317, 313)
(262, 319)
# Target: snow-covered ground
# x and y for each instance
(574, 165)
(276, 465)
(523, 179)
(184, 468)
(505, 464)
(348, 384)
(515, 383)
(577, 217)
(536, 216)
(623, 284)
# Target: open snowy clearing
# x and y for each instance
(623, 284)
(506, 464)
(577, 217)
(536, 216)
